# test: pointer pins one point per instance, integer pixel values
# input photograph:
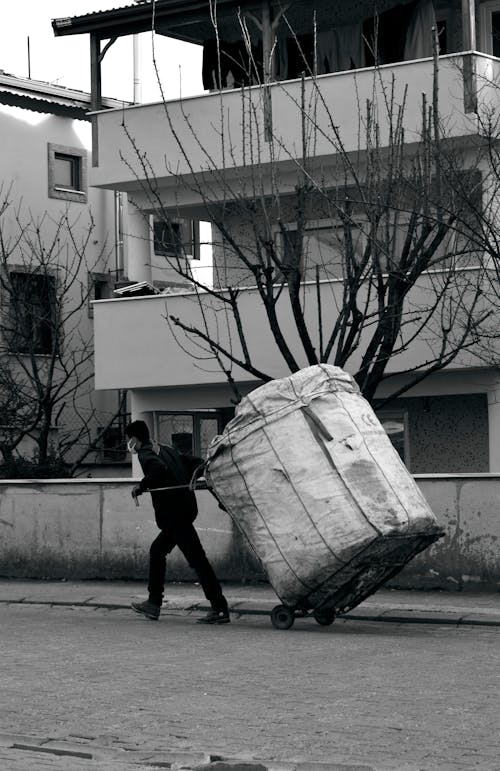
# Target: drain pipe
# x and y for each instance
(136, 55)
(118, 235)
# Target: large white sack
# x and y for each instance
(308, 473)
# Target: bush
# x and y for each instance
(22, 468)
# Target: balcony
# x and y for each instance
(136, 347)
(226, 130)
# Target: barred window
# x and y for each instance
(32, 320)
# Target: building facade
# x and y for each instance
(58, 254)
(274, 78)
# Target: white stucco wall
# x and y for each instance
(137, 347)
(207, 144)
(25, 136)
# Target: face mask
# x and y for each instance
(131, 445)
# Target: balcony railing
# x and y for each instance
(136, 346)
(227, 130)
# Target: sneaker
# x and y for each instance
(215, 617)
(148, 609)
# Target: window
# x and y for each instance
(99, 289)
(67, 172)
(32, 317)
(324, 244)
(395, 424)
(177, 238)
(113, 444)
(442, 30)
(189, 432)
(327, 244)
(490, 27)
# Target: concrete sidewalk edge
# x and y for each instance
(241, 608)
(176, 760)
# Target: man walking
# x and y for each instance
(175, 512)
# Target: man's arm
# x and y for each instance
(155, 473)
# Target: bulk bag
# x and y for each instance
(309, 475)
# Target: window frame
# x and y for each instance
(19, 270)
(444, 18)
(115, 453)
(190, 248)
(400, 414)
(360, 223)
(79, 156)
(313, 225)
(486, 11)
(197, 416)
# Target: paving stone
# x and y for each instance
(478, 619)
(8, 740)
(231, 765)
(359, 693)
(171, 758)
(55, 748)
(420, 617)
(333, 767)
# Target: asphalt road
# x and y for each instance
(392, 695)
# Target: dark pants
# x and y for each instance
(183, 535)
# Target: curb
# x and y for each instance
(392, 615)
(176, 760)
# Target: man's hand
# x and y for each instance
(136, 491)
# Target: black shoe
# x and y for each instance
(215, 617)
(148, 609)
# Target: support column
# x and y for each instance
(95, 92)
(468, 25)
(494, 427)
(137, 243)
(469, 44)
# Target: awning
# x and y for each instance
(39, 96)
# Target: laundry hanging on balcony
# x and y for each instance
(419, 36)
(400, 33)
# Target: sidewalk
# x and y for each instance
(422, 607)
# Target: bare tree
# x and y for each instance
(46, 343)
(386, 242)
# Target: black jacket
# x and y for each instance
(169, 470)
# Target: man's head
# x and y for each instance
(138, 434)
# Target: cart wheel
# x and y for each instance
(282, 617)
(324, 616)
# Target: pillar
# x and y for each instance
(468, 25)
(95, 92)
(469, 44)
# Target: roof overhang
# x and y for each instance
(39, 96)
(182, 19)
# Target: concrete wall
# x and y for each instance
(88, 529)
